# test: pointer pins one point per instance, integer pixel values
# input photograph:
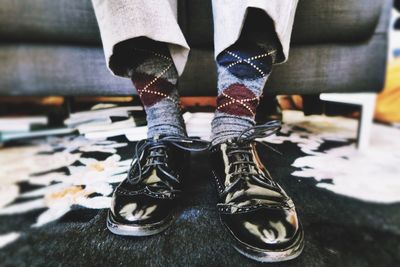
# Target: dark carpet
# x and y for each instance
(339, 231)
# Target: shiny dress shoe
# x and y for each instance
(257, 212)
(144, 203)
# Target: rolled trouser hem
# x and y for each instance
(122, 20)
(229, 18)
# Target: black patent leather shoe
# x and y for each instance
(144, 203)
(257, 212)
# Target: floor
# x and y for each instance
(54, 195)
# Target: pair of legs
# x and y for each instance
(249, 36)
(257, 212)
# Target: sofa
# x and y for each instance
(53, 47)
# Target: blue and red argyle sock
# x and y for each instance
(154, 77)
(243, 70)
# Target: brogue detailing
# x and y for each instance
(232, 209)
(148, 192)
(219, 186)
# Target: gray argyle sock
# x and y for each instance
(243, 70)
(155, 78)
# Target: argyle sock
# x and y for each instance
(154, 76)
(243, 70)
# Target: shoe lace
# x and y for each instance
(240, 150)
(156, 149)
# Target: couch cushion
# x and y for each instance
(67, 21)
(38, 69)
(311, 69)
(316, 21)
(73, 70)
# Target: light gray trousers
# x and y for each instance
(121, 20)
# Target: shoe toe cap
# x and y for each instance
(263, 228)
(139, 209)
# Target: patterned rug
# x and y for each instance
(54, 194)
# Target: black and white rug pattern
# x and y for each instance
(58, 189)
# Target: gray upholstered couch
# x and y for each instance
(53, 47)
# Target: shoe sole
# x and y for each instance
(285, 254)
(137, 230)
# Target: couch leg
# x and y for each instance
(366, 101)
(68, 105)
(365, 123)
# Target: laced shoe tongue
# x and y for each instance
(153, 178)
(152, 155)
(241, 167)
(241, 156)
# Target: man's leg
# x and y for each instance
(250, 36)
(122, 20)
(142, 41)
(243, 69)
